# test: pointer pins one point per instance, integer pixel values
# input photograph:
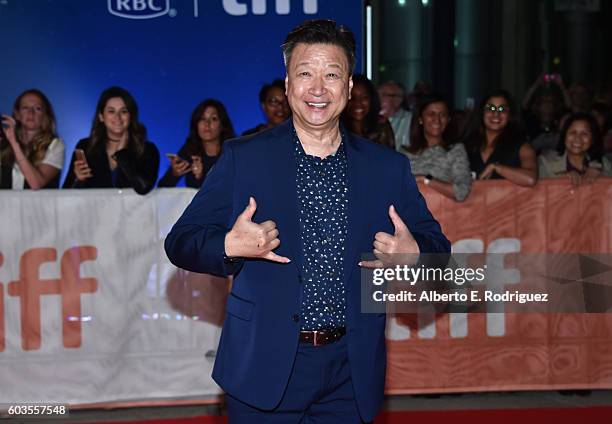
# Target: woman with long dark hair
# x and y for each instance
(31, 153)
(209, 127)
(435, 156)
(362, 113)
(117, 153)
(496, 144)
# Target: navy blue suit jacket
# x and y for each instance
(260, 336)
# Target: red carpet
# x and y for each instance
(593, 415)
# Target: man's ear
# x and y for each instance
(350, 86)
(286, 83)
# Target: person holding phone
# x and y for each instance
(117, 153)
(31, 153)
(209, 127)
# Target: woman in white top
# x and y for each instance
(31, 154)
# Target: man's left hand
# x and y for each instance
(388, 248)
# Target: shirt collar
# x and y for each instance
(339, 153)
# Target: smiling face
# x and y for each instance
(359, 104)
(434, 119)
(579, 138)
(496, 121)
(318, 85)
(31, 112)
(115, 117)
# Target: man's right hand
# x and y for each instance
(248, 239)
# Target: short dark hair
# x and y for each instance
(596, 149)
(321, 31)
(265, 89)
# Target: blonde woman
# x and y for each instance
(31, 154)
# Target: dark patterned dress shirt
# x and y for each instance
(322, 192)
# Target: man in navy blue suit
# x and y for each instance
(295, 345)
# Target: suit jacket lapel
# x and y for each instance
(357, 179)
(283, 162)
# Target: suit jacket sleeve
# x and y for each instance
(413, 210)
(197, 240)
(141, 172)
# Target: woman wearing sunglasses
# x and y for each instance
(497, 146)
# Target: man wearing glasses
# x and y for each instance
(391, 95)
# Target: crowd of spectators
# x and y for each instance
(557, 132)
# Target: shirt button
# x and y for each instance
(295, 317)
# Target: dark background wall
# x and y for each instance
(466, 48)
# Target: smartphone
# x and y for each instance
(171, 156)
(79, 154)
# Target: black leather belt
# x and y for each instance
(322, 337)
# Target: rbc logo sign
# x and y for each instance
(139, 9)
(148, 9)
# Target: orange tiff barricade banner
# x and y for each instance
(510, 351)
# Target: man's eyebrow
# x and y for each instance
(333, 64)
